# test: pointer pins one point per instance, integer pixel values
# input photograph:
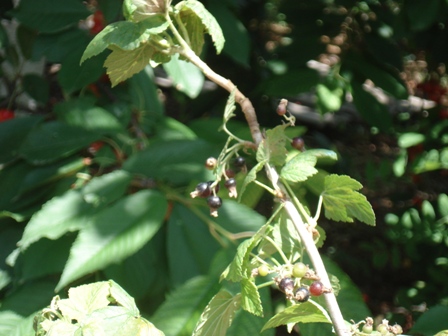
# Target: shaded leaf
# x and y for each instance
(251, 176)
(218, 315)
(272, 149)
(183, 304)
(343, 203)
(432, 321)
(114, 234)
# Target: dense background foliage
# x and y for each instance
(365, 79)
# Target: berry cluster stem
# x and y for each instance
(251, 118)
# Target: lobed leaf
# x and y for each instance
(299, 168)
(308, 312)
(272, 149)
(250, 298)
(125, 35)
(208, 20)
(123, 64)
(218, 315)
(343, 203)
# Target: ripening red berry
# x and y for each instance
(316, 288)
(6, 114)
(298, 143)
(98, 22)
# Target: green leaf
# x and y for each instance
(230, 107)
(329, 99)
(343, 203)
(374, 112)
(123, 64)
(218, 315)
(135, 10)
(49, 16)
(177, 161)
(71, 211)
(422, 14)
(185, 75)
(84, 300)
(12, 133)
(187, 255)
(410, 139)
(272, 149)
(74, 76)
(173, 316)
(37, 87)
(54, 140)
(234, 30)
(251, 176)
(123, 298)
(114, 234)
(82, 112)
(250, 298)
(125, 35)
(299, 168)
(210, 24)
(432, 321)
(308, 312)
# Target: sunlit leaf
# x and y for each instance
(343, 203)
(210, 24)
(308, 312)
(299, 168)
(186, 76)
(250, 298)
(218, 315)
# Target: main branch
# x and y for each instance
(307, 239)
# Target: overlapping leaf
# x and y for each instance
(272, 149)
(342, 202)
(250, 298)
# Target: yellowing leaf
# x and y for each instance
(218, 315)
(123, 64)
(343, 203)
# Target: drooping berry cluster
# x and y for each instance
(210, 189)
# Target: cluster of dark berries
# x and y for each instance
(209, 189)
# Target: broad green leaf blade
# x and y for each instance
(114, 234)
(307, 312)
(123, 64)
(71, 211)
(125, 35)
(432, 321)
(185, 75)
(37, 87)
(183, 304)
(410, 139)
(12, 133)
(54, 140)
(251, 176)
(84, 300)
(48, 16)
(218, 315)
(343, 203)
(82, 112)
(329, 99)
(272, 149)
(299, 168)
(176, 161)
(250, 298)
(210, 24)
(187, 255)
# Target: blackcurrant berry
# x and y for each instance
(316, 288)
(298, 143)
(239, 162)
(214, 202)
(230, 184)
(215, 189)
(230, 173)
(299, 270)
(202, 190)
(263, 270)
(302, 294)
(286, 285)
